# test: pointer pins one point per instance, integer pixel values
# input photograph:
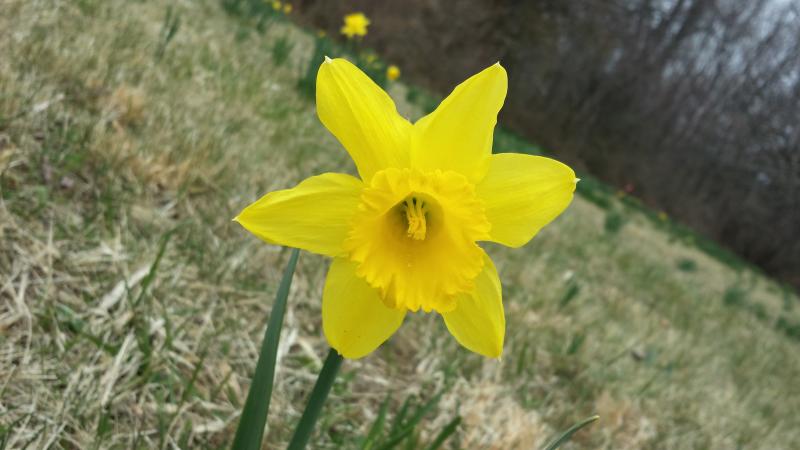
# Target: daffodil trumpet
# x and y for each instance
(404, 235)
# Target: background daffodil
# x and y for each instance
(404, 236)
(392, 72)
(355, 24)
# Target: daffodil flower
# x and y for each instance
(355, 24)
(392, 72)
(404, 236)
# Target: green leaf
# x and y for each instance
(254, 415)
(377, 426)
(397, 424)
(406, 429)
(565, 436)
(151, 274)
(448, 430)
(318, 396)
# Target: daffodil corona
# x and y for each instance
(404, 236)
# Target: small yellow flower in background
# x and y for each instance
(370, 58)
(287, 8)
(321, 34)
(404, 236)
(355, 24)
(392, 72)
(276, 5)
(662, 216)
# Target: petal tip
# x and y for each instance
(498, 66)
(328, 59)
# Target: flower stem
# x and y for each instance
(318, 396)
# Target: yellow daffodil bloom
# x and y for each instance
(276, 5)
(392, 72)
(287, 8)
(404, 236)
(355, 24)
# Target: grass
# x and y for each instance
(131, 308)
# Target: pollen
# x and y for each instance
(415, 217)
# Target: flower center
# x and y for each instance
(414, 211)
(414, 238)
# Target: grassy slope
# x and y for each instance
(109, 156)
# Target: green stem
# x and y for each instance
(254, 415)
(318, 396)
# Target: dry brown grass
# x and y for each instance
(105, 154)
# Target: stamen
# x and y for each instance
(415, 217)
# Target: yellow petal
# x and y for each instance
(478, 322)
(522, 194)
(362, 117)
(354, 318)
(314, 215)
(458, 134)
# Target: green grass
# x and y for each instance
(131, 307)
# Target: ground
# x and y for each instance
(132, 308)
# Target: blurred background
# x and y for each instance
(663, 299)
(691, 105)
